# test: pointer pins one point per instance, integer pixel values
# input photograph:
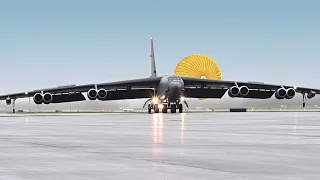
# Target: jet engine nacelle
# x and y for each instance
(290, 93)
(47, 98)
(281, 93)
(102, 94)
(244, 91)
(38, 98)
(92, 94)
(234, 91)
(8, 101)
(311, 94)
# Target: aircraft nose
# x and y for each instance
(175, 86)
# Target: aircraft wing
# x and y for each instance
(127, 89)
(205, 88)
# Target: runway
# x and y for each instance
(246, 146)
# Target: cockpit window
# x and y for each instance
(174, 78)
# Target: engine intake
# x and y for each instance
(92, 94)
(281, 93)
(311, 94)
(47, 98)
(244, 91)
(290, 93)
(38, 98)
(234, 91)
(102, 94)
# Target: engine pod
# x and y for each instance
(47, 98)
(281, 93)
(244, 91)
(38, 98)
(290, 93)
(102, 94)
(311, 94)
(234, 91)
(92, 94)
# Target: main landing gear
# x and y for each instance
(164, 108)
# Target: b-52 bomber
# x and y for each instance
(163, 92)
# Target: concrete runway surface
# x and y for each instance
(237, 146)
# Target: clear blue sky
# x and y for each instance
(50, 43)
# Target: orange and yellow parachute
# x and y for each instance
(198, 66)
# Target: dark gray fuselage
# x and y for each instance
(170, 88)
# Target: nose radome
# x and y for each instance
(175, 86)
(179, 85)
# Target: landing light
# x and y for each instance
(155, 100)
(182, 98)
(160, 106)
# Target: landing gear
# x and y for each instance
(173, 108)
(165, 105)
(165, 108)
(304, 100)
(156, 108)
(176, 106)
(149, 108)
(14, 106)
(180, 107)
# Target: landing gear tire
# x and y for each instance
(156, 108)
(180, 108)
(173, 108)
(149, 108)
(165, 109)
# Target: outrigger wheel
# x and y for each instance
(198, 66)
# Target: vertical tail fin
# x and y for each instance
(153, 61)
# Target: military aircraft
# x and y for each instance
(163, 92)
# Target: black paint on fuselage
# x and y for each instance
(170, 88)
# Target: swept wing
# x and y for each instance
(205, 88)
(127, 89)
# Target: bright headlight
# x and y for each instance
(160, 106)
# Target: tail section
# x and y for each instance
(153, 61)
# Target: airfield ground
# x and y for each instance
(185, 111)
(276, 145)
